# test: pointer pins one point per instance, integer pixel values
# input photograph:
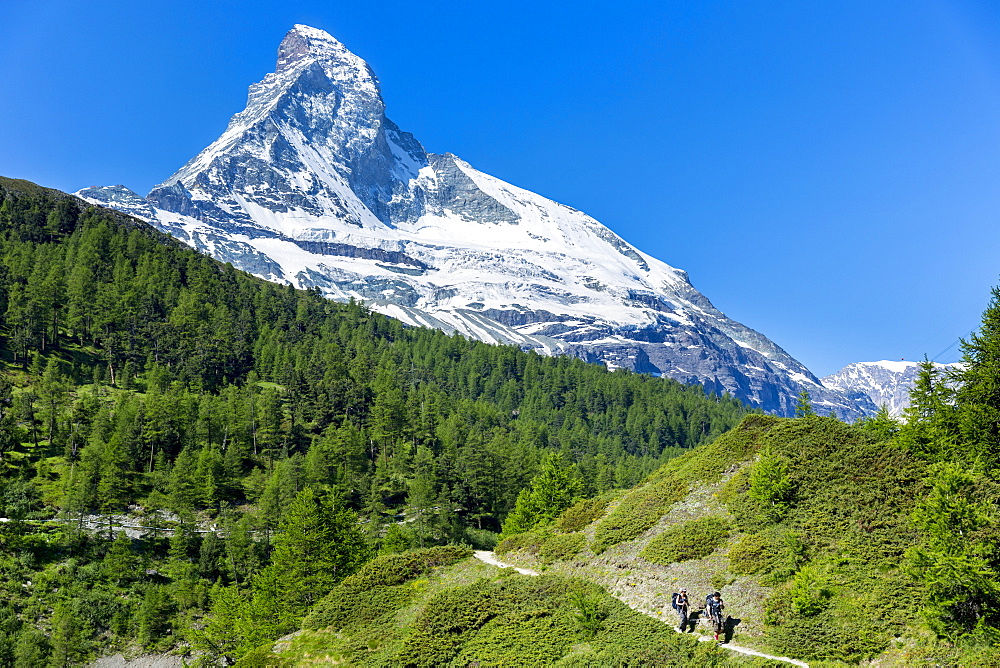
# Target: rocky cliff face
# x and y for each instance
(883, 383)
(313, 185)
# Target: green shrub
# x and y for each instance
(808, 595)
(450, 618)
(690, 540)
(708, 463)
(529, 541)
(966, 652)
(537, 637)
(481, 539)
(582, 513)
(392, 569)
(263, 657)
(638, 511)
(534, 621)
(561, 546)
(754, 554)
(379, 587)
(590, 612)
(831, 638)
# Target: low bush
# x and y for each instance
(481, 539)
(263, 657)
(561, 546)
(393, 569)
(690, 540)
(638, 511)
(379, 588)
(754, 554)
(533, 621)
(529, 541)
(708, 463)
(582, 513)
(966, 652)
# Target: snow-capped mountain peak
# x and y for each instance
(304, 42)
(313, 185)
(886, 382)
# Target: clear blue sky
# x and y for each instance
(827, 172)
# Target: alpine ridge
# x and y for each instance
(885, 383)
(313, 185)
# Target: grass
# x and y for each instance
(468, 613)
(846, 527)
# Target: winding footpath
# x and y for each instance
(489, 558)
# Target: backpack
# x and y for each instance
(713, 607)
(673, 601)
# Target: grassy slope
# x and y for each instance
(809, 584)
(468, 613)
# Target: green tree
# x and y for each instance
(229, 632)
(930, 428)
(978, 389)
(957, 559)
(552, 491)
(67, 639)
(422, 494)
(153, 616)
(32, 648)
(10, 432)
(803, 405)
(881, 426)
(318, 544)
(770, 484)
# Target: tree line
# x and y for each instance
(139, 376)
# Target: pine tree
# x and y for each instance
(10, 432)
(770, 484)
(66, 638)
(153, 616)
(958, 559)
(183, 486)
(881, 426)
(318, 544)
(931, 427)
(978, 393)
(552, 491)
(803, 406)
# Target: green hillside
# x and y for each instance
(433, 608)
(144, 384)
(284, 464)
(830, 542)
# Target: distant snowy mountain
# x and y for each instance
(884, 382)
(311, 184)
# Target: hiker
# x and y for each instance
(679, 602)
(714, 607)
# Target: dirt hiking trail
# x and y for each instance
(489, 558)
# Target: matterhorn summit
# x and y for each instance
(312, 185)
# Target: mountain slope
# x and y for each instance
(884, 383)
(465, 613)
(150, 383)
(794, 574)
(313, 185)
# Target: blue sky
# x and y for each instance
(827, 172)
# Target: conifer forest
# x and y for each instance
(267, 441)
(199, 462)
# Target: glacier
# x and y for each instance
(311, 184)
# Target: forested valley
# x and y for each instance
(269, 441)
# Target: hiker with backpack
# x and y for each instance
(679, 602)
(714, 607)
